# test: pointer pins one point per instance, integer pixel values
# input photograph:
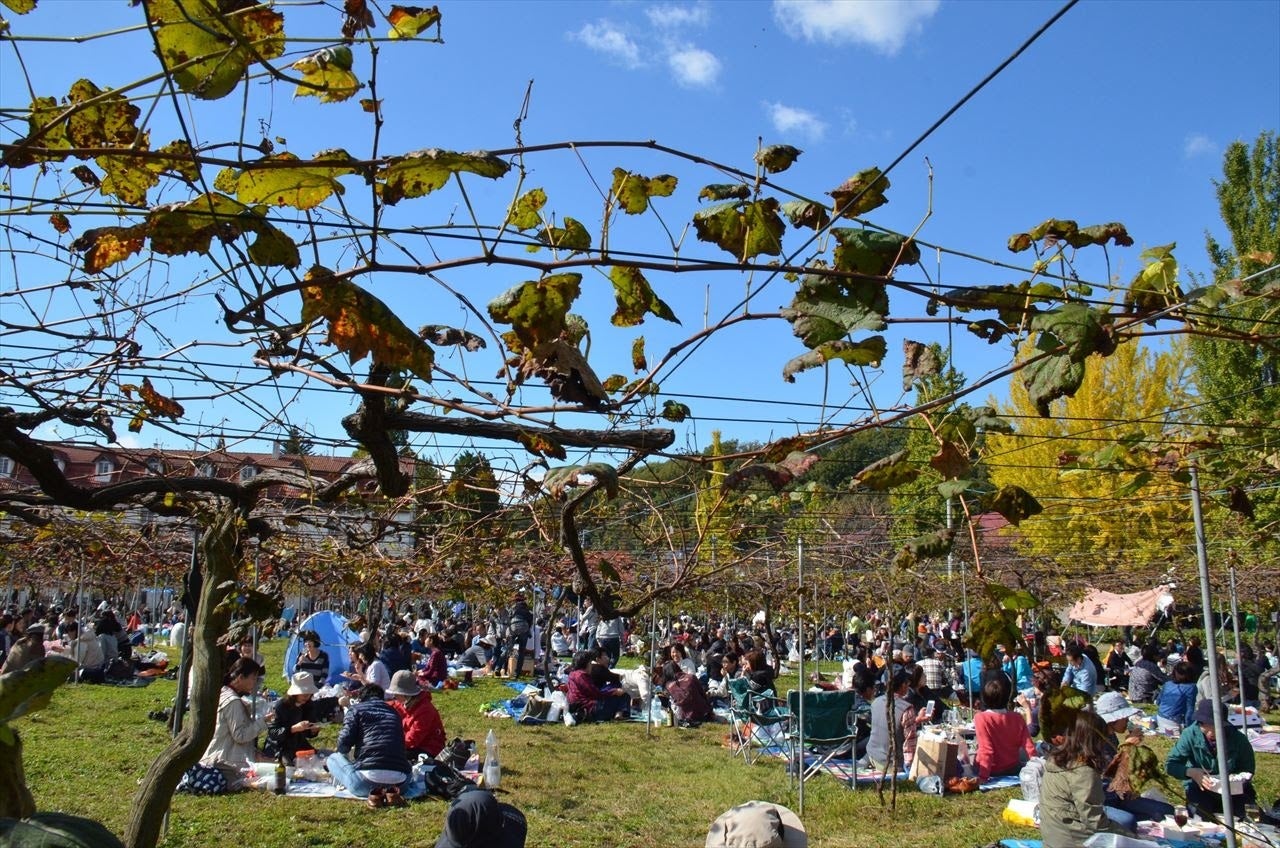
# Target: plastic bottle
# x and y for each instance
(492, 768)
(282, 783)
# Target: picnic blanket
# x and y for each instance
(1008, 781)
(1265, 742)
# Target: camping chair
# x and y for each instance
(739, 716)
(767, 725)
(828, 729)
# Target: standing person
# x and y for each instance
(236, 728)
(609, 636)
(587, 625)
(373, 731)
(1194, 760)
(1071, 796)
(520, 625)
(423, 729)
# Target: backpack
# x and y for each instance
(442, 779)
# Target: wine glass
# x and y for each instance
(1180, 815)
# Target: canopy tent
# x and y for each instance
(1106, 609)
(335, 637)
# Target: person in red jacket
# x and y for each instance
(1002, 735)
(423, 729)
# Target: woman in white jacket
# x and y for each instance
(237, 728)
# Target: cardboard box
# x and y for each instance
(935, 756)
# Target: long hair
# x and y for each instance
(1085, 743)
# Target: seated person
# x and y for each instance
(679, 655)
(587, 700)
(1176, 703)
(1146, 677)
(1001, 735)
(368, 669)
(688, 699)
(1117, 665)
(291, 730)
(237, 728)
(475, 819)
(312, 659)
(373, 730)
(905, 716)
(1081, 673)
(423, 729)
(1194, 760)
(561, 645)
(1071, 797)
(757, 670)
(478, 656)
(602, 674)
(435, 668)
(969, 678)
(86, 650)
(1124, 805)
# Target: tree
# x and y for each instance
(1108, 507)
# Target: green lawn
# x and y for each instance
(594, 786)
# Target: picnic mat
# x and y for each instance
(1265, 743)
(1009, 781)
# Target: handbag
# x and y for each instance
(203, 780)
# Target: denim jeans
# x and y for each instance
(346, 775)
(1129, 811)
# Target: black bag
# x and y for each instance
(443, 780)
(457, 752)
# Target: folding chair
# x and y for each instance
(767, 719)
(828, 729)
(739, 715)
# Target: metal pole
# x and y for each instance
(1235, 626)
(948, 549)
(800, 686)
(653, 654)
(1206, 607)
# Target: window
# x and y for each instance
(247, 473)
(206, 469)
(61, 463)
(102, 470)
(155, 465)
(6, 466)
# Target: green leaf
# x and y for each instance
(778, 475)
(422, 172)
(1014, 600)
(1156, 285)
(675, 411)
(1014, 503)
(1051, 378)
(777, 158)
(861, 193)
(537, 310)
(28, 689)
(827, 309)
(806, 213)
(190, 226)
(526, 211)
(330, 69)
(937, 544)
(109, 121)
(303, 186)
(633, 191)
(872, 252)
(560, 479)
(918, 362)
(949, 489)
(890, 472)
(638, 360)
(745, 230)
(410, 21)
(224, 45)
(361, 324)
(1134, 485)
(1081, 329)
(572, 237)
(635, 298)
(273, 249)
(725, 191)
(868, 352)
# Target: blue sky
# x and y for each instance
(1119, 113)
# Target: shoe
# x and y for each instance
(377, 798)
(393, 798)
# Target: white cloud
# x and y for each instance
(788, 120)
(1199, 144)
(694, 67)
(882, 24)
(603, 37)
(674, 17)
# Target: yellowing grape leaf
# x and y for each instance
(868, 352)
(724, 191)
(635, 297)
(105, 246)
(158, 403)
(130, 177)
(745, 230)
(860, 193)
(777, 158)
(361, 324)
(537, 310)
(208, 52)
(305, 186)
(410, 21)
(190, 226)
(675, 411)
(887, 473)
(20, 7)
(328, 74)
(1156, 285)
(557, 480)
(806, 213)
(45, 112)
(540, 444)
(423, 171)
(526, 210)
(572, 237)
(918, 361)
(357, 17)
(633, 191)
(109, 120)
(638, 360)
(60, 222)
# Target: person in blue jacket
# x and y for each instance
(373, 732)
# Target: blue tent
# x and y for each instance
(335, 637)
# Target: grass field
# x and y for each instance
(592, 786)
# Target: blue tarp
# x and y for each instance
(335, 637)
